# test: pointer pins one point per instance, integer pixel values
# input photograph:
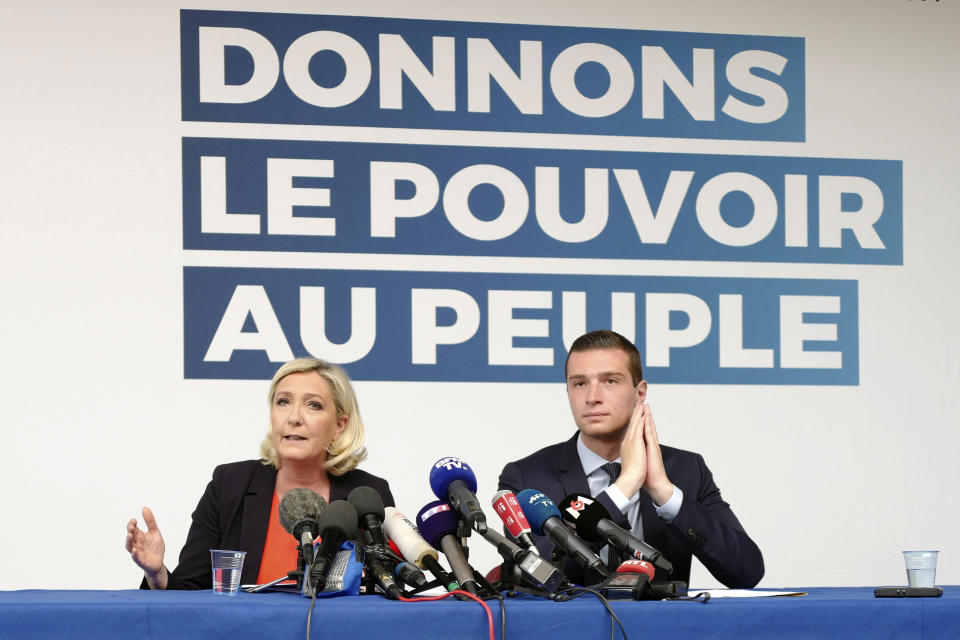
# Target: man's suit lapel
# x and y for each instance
(570, 470)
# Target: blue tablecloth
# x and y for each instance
(823, 613)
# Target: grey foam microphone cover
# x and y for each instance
(300, 504)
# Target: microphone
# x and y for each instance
(383, 577)
(414, 548)
(544, 518)
(438, 524)
(369, 506)
(535, 569)
(631, 580)
(592, 521)
(337, 523)
(390, 543)
(299, 511)
(506, 505)
(453, 480)
(410, 575)
(637, 566)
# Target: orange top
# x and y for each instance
(279, 550)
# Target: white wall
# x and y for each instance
(832, 482)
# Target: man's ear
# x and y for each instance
(641, 391)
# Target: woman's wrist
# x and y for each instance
(157, 580)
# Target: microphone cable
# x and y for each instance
(482, 579)
(457, 592)
(576, 592)
(313, 601)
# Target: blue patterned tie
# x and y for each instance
(614, 556)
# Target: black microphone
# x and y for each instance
(369, 506)
(299, 511)
(437, 522)
(544, 519)
(409, 574)
(337, 523)
(382, 576)
(592, 521)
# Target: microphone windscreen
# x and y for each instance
(341, 515)
(299, 504)
(585, 514)
(538, 508)
(408, 540)
(393, 547)
(436, 520)
(367, 500)
(508, 508)
(445, 471)
(637, 566)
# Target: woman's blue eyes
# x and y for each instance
(312, 404)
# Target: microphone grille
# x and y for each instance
(299, 504)
(447, 470)
(584, 514)
(435, 520)
(341, 515)
(538, 508)
(367, 500)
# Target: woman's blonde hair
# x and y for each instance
(347, 451)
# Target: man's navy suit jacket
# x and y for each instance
(705, 526)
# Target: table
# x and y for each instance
(850, 612)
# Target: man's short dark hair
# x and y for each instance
(606, 339)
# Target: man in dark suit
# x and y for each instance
(666, 496)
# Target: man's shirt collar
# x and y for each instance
(589, 460)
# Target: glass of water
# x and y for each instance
(227, 567)
(921, 567)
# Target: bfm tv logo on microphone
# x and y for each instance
(577, 505)
(451, 463)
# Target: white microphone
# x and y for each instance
(414, 548)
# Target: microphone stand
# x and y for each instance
(508, 576)
(296, 575)
(463, 532)
(306, 583)
(485, 590)
(301, 567)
